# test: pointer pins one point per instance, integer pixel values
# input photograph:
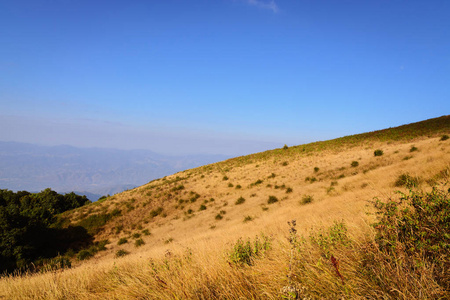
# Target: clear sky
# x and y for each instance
(218, 76)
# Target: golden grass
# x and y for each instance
(194, 265)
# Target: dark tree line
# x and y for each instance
(29, 232)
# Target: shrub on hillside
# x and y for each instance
(307, 199)
(272, 199)
(444, 137)
(407, 181)
(354, 164)
(240, 200)
(244, 253)
(414, 233)
(378, 152)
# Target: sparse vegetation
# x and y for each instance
(121, 253)
(407, 180)
(272, 199)
(245, 253)
(354, 164)
(122, 241)
(240, 200)
(378, 152)
(444, 137)
(139, 242)
(307, 199)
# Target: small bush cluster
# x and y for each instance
(272, 199)
(307, 199)
(244, 253)
(407, 180)
(240, 200)
(121, 252)
(378, 152)
(354, 164)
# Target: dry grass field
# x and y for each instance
(221, 231)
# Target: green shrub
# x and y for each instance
(289, 190)
(244, 253)
(285, 147)
(139, 243)
(416, 230)
(156, 212)
(307, 199)
(238, 186)
(354, 164)
(407, 181)
(57, 263)
(272, 199)
(284, 163)
(146, 232)
(202, 207)
(316, 169)
(230, 185)
(219, 217)
(378, 152)
(84, 254)
(225, 178)
(136, 235)
(121, 252)
(240, 200)
(248, 219)
(444, 137)
(413, 148)
(122, 241)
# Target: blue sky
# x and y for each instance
(218, 76)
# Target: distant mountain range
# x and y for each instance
(88, 171)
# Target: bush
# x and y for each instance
(202, 207)
(416, 229)
(307, 199)
(285, 147)
(139, 243)
(122, 241)
(354, 164)
(156, 212)
(136, 235)
(240, 200)
(225, 178)
(219, 217)
(121, 252)
(272, 199)
(316, 169)
(378, 152)
(444, 137)
(289, 190)
(413, 148)
(84, 254)
(284, 163)
(407, 181)
(244, 253)
(248, 219)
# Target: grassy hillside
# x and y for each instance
(221, 231)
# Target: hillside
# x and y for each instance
(172, 237)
